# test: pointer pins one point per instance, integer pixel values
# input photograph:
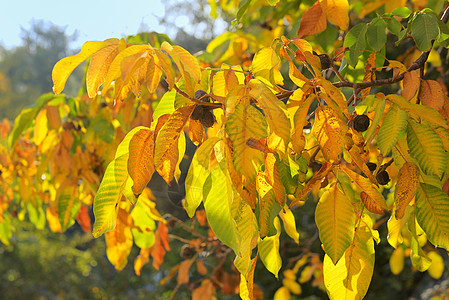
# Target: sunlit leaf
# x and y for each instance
(197, 175)
(405, 188)
(288, 219)
(313, 21)
(427, 148)
(431, 207)
(424, 30)
(335, 219)
(393, 125)
(329, 130)
(246, 122)
(68, 204)
(119, 241)
(436, 269)
(337, 12)
(266, 201)
(217, 204)
(269, 250)
(351, 276)
(64, 67)
(166, 141)
(140, 161)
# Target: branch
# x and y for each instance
(417, 64)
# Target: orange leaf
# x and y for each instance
(205, 291)
(120, 241)
(183, 272)
(84, 220)
(52, 219)
(99, 65)
(431, 94)
(167, 142)
(313, 21)
(64, 67)
(369, 72)
(140, 162)
(411, 85)
(141, 260)
(406, 187)
(200, 267)
(337, 12)
(370, 204)
(160, 245)
(154, 73)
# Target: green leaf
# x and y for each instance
(243, 7)
(394, 26)
(197, 175)
(402, 12)
(335, 219)
(424, 30)
(108, 196)
(376, 35)
(432, 205)
(355, 40)
(443, 38)
(269, 250)
(5, 230)
(217, 204)
(394, 124)
(143, 232)
(427, 148)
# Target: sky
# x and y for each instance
(93, 20)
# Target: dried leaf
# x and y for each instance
(431, 94)
(405, 188)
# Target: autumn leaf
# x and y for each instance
(351, 276)
(335, 219)
(246, 122)
(140, 161)
(431, 94)
(329, 130)
(266, 201)
(405, 188)
(64, 67)
(166, 141)
(119, 241)
(269, 250)
(337, 12)
(313, 21)
(99, 65)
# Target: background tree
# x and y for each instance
(310, 135)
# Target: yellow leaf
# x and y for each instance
(289, 223)
(436, 268)
(115, 68)
(369, 72)
(247, 282)
(269, 250)
(64, 67)
(273, 108)
(282, 293)
(119, 241)
(246, 122)
(141, 260)
(52, 219)
(330, 132)
(266, 200)
(295, 75)
(337, 12)
(40, 127)
(405, 188)
(140, 161)
(266, 64)
(431, 94)
(299, 121)
(166, 142)
(335, 219)
(274, 178)
(335, 94)
(187, 64)
(313, 21)
(366, 186)
(154, 73)
(99, 65)
(397, 261)
(166, 65)
(351, 276)
(370, 204)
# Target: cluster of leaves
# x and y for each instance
(257, 159)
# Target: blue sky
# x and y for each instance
(93, 19)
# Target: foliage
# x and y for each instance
(357, 132)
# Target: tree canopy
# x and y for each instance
(326, 122)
